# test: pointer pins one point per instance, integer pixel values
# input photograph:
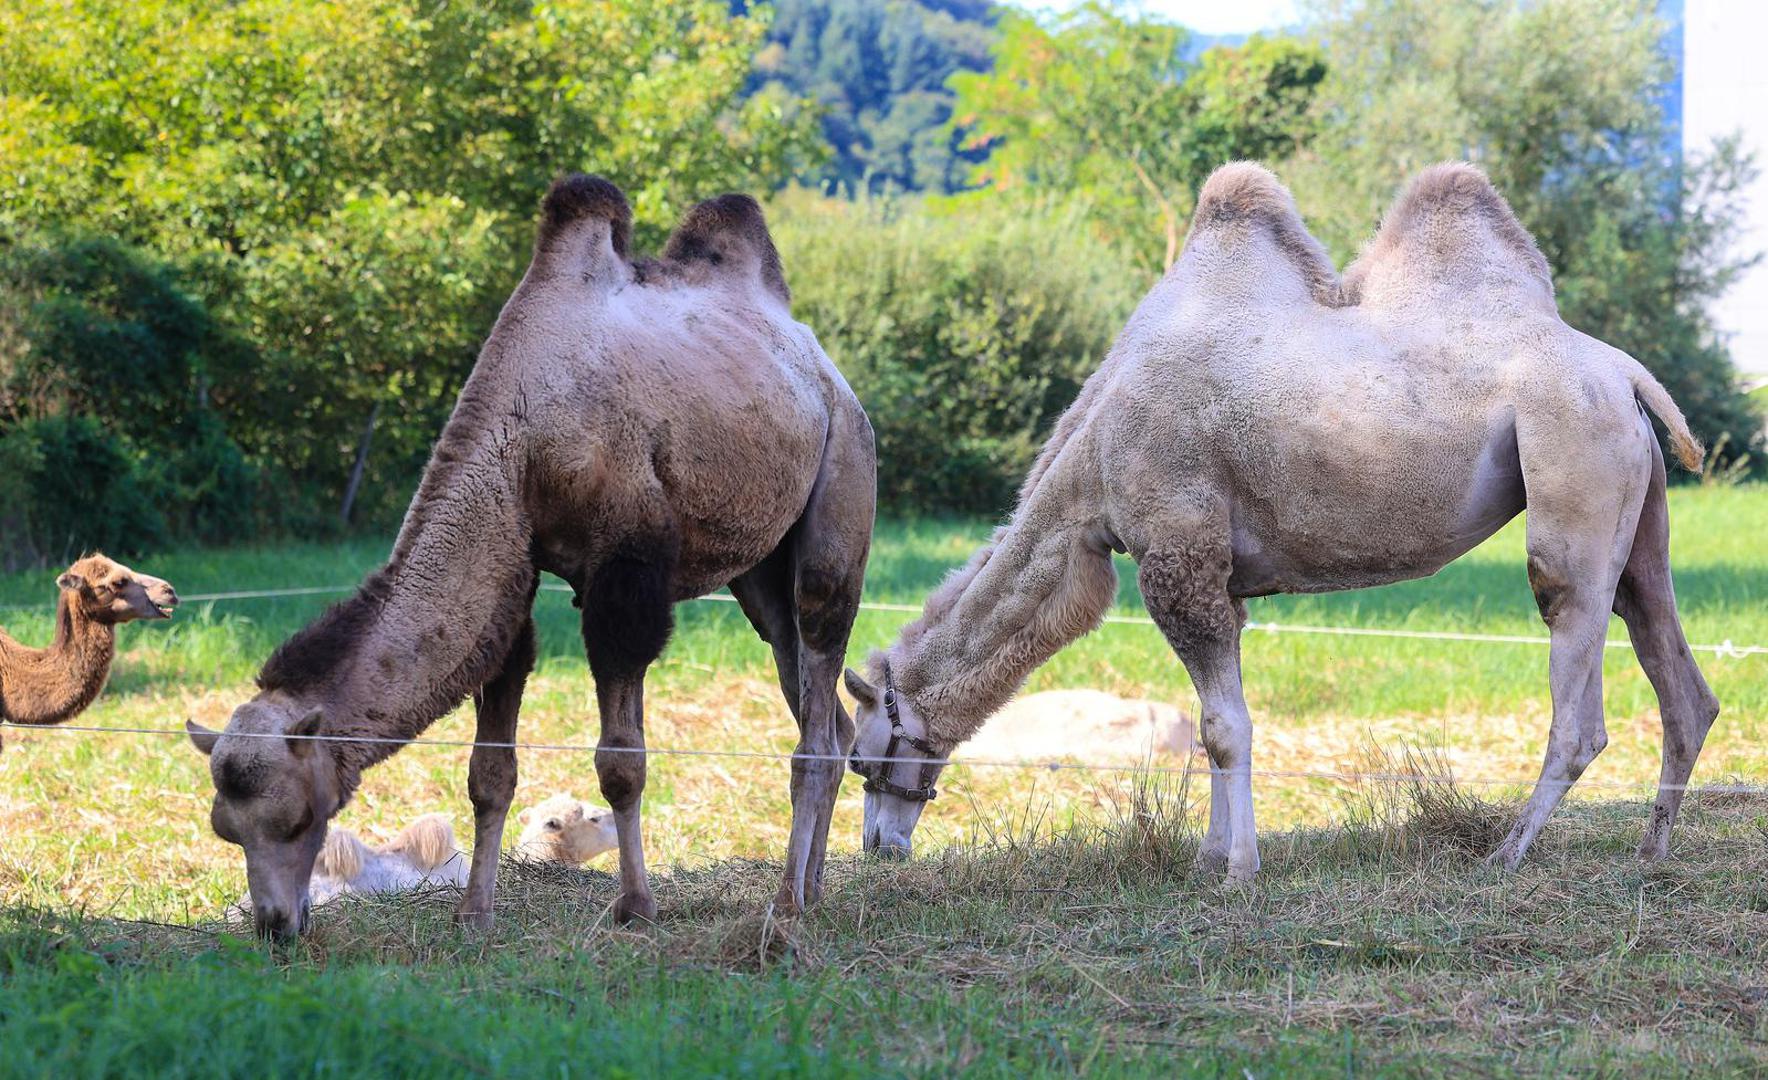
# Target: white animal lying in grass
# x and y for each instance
(566, 830)
(1082, 725)
(423, 856)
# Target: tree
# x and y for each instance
(1108, 106)
(879, 71)
(350, 188)
(1555, 100)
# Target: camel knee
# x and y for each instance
(491, 781)
(1225, 739)
(620, 768)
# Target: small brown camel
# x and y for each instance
(53, 685)
(647, 431)
(1262, 426)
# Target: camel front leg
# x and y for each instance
(1184, 581)
(620, 766)
(491, 777)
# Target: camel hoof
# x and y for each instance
(1212, 860)
(477, 922)
(1504, 857)
(631, 906)
(1654, 850)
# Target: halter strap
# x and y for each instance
(878, 777)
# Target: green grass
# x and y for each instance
(1060, 931)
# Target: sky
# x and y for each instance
(1212, 16)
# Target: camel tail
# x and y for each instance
(1653, 396)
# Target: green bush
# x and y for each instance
(82, 493)
(107, 436)
(965, 326)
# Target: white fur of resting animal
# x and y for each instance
(1091, 726)
(423, 856)
(567, 830)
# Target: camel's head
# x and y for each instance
(109, 592)
(899, 760)
(276, 786)
(567, 830)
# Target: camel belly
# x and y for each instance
(1406, 516)
(711, 499)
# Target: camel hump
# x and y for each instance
(1450, 215)
(1244, 196)
(585, 224)
(728, 236)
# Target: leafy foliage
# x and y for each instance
(1109, 106)
(108, 435)
(350, 187)
(965, 327)
(879, 71)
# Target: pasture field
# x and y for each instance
(1055, 924)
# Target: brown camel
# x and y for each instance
(1262, 427)
(52, 685)
(648, 432)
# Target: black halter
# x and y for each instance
(878, 779)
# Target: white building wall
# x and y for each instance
(1725, 90)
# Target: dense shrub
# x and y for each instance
(107, 436)
(965, 327)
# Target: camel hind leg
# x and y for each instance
(1583, 508)
(627, 620)
(828, 548)
(1646, 601)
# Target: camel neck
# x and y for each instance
(1043, 581)
(46, 686)
(434, 624)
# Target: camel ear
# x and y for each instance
(863, 692)
(525, 816)
(201, 737)
(299, 734)
(70, 582)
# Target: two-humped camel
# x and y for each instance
(54, 684)
(648, 431)
(1262, 427)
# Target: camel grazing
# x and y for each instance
(563, 829)
(1260, 427)
(52, 685)
(647, 431)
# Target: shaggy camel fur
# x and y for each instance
(566, 830)
(646, 431)
(49, 686)
(1258, 429)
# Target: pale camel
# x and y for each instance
(1260, 428)
(564, 829)
(53, 685)
(648, 432)
(1090, 726)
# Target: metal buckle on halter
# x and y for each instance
(877, 779)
